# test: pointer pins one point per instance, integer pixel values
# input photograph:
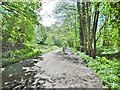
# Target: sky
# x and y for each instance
(47, 12)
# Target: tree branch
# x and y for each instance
(100, 30)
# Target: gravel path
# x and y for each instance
(66, 71)
(57, 70)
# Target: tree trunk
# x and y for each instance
(95, 29)
(88, 28)
(80, 28)
(83, 23)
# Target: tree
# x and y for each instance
(18, 24)
(94, 29)
(88, 27)
(80, 27)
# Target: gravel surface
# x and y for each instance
(57, 70)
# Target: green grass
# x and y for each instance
(13, 57)
(18, 55)
(107, 70)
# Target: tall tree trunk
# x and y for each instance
(88, 28)
(90, 37)
(95, 29)
(80, 28)
(83, 23)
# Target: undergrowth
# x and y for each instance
(13, 57)
(22, 54)
(107, 70)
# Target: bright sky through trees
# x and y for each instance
(47, 12)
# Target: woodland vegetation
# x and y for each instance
(92, 29)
